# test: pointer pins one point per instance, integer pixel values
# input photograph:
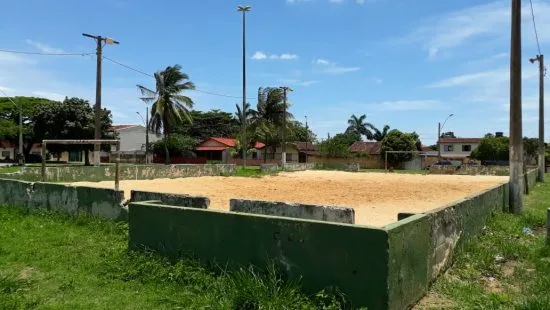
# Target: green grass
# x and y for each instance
(504, 268)
(52, 261)
(249, 171)
(10, 169)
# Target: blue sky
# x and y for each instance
(404, 63)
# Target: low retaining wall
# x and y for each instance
(298, 167)
(381, 268)
(471, 170)
(127, 172)
(171, 199)
(531, 179)
(269, 168)
(294, 210)
(105, 203)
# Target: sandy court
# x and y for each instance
(376, 197)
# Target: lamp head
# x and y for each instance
(244, 8)
(532, 60)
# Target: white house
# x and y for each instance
(458, 148)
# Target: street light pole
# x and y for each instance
(97, 108)
(244, 9)
(146, 122)
(283, 147)
(439, 129)
(542, 148)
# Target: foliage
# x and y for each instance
(358, 126)
(214, 123)
(297, 132)
(73, 118)
(396, 140)
(170, 106)
(177, 144)
(492, 148)
(38, 253)
(530, 149)
(380, 135)
(338, 146)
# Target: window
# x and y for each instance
(466, 148)
(288, 157)
(75, 156)
(448, 148)
(6, 154)
(255, 155)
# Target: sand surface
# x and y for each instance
(376, 197)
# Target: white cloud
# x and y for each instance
(333, 68)
(285, 56)
(13, 59)
(477, 24)
(44, 48)
(408, 105)
(483, 78)
(304, 83)
(49, 95)
(377, 80)
(259, 56)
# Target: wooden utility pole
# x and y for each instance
(516, 142)
(283, 147)
(542, 148)
(97, 108)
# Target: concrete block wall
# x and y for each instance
(298, 167)
(178, 200)
(319, 254)
(269, 168)
(105, 203)
(294, 210)
(532, 178)
(127, 172)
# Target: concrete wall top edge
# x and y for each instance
(405, 221)
(289, 219)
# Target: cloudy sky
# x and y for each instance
(405, 63)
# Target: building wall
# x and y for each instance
(10, 151)
(292, 154)
(133, 139)
(457, 148)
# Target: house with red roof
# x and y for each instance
(217, 148)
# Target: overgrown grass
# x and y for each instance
(507, 267)
(11, 169)
(56, 262)
(250, 171)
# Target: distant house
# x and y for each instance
(132, 137)
(296, 152)
(216, 148)
(457, 148)
(369, 155)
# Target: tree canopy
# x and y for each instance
(214, 123)
(396, 140)
(338, 146)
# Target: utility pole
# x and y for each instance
(147, 135)
(516, 143)
(244, 9)
(283, 147)
(542, 148)
(439, 128)
(100, 41)
(307, 138)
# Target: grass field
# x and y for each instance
(9, 169)
(505, 268)
(55, 262)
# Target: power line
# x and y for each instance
(535, 26)
(150, 75)
(45, 54)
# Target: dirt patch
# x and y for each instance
(376, 197)
(434, 301)
(27, 273)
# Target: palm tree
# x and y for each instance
(170, 107)
(249, 117)
(269, 115)
(379, 135)
(359, 126)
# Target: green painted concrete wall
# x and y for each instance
(321, 254)
(532, 178)
(105, 203)
(127, 172)
(178, 200)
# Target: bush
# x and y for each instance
(178, 145)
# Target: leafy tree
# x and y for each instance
(71, 119)
(177, 144)
(359, 126)
(297, 132)
(396, 140)
(214, 123)
(338, 146)
(530, 149)
(492, 148)
(170, 106)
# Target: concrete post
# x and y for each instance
(43, 161)
(117, 167)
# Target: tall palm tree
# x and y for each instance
(248, 117)
(270, 116)
(359, 126)
(379, 135)
(170, 107)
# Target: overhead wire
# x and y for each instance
(535, 26)
(45, 54)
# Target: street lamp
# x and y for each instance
(146, 122)
(20, 106)
(439, 129)
(244, 9)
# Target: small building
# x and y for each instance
(218, 149)
(132, 142)
(457, 149)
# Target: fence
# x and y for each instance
(179, 160)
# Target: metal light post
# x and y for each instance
(542, 148)
(20, 108)
(100, 41)
(244, 9)
(146, 122)
(439, 129)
